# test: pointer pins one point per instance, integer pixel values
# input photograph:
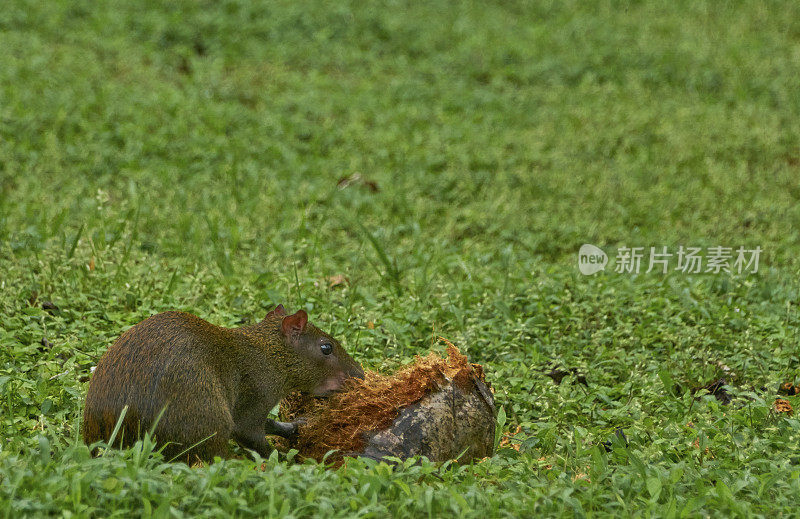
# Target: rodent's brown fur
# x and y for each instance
(212, 383)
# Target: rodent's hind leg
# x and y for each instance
(206, 450)
(282, 429)
(254, 440)
(197, 421)
(248, 431)
(214, 447)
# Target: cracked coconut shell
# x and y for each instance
(441, 408)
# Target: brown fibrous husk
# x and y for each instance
(340, 422)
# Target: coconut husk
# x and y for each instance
(438, 407)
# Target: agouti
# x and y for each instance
(210, 384)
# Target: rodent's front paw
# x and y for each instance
(296, 427)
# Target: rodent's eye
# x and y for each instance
(326, 348)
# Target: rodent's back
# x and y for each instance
(137, 368)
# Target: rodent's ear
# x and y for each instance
(295, 323)
(278, 310)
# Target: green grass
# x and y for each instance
(190, 152)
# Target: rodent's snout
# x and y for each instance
(335, 383)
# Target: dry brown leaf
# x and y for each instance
(581, 475)
(337, 280)
(783, 406)
(357, 179)
(508, 437)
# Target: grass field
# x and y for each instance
(187, 155)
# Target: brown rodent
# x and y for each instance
(212, 383)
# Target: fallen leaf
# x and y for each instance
(783, 406)
(337, 280)
(49, 306)
(717, 388)
(508, 437)
(581, 475)
(357, 179)
(558, 374)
